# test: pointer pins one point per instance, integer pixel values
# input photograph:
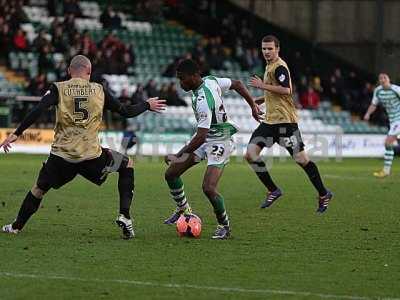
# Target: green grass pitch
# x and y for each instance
(71, 249)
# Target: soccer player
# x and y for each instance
(388, 95)
(280, 126)
(76, 148)
(213, 140)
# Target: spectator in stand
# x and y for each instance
(173, 98)
(72, 7)
(105, 17)
(45, 61)
(99, 66)
(215, 60)
(59, 40)
(163, 94)
(139, 95)
(170, 70)
(198, 51)
(126, 63)
(5, 40)
(88, 46)
(60, 70)
(364, 98)
(76, 45)
(38, 85)
(149, 10)
(131, 50)
(69, 25)
(151, 89)
(340, 86)
(316, 84)
(41, 40)
(110, 19)
(204, 66)
(310, 99)
(20, 41)
(354, 89)
(257, 62)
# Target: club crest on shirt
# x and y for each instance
(201, 116)
(282, 78)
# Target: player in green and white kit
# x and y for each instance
(212, 141)
(388, 95)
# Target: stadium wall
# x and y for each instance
(317, 145)
(348, 28)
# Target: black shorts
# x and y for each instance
(56, 171)
(286, 134)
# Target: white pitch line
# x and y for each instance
(191, 286)
(347, 177)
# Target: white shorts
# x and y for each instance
(394, 129)
(216, 152)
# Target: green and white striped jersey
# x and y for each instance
(390, 99)
(209, 110)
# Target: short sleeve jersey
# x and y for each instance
(209, 109)
(280, 108)
(390, 99)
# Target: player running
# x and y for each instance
(388, 95)
(213, 140)
(76, 148)
(280, 126)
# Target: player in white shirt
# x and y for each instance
(212, 141)
(388, 95)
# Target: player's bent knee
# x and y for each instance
(209, 190)
(251, 157)
(302, 162)
(130, 163)
(170, 175)
(37, 192)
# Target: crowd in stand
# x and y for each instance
(235, 41)
(232, 43)
(109, 56)
(167, 91)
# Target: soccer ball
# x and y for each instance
(188, 225)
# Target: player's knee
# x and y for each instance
(209, 190)
(301, 158)
(390, 141)
(250, 157)
(301, 161)
(170, 175)
(130, 163)
(37, 192)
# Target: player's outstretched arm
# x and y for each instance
(6, 144)
(370, 111)
(241, 89)
(130, 111)
(50, 98)
(157, 105)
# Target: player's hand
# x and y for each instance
(6, 144)
(366, 117)
(170, 158)
(157, 105)
(256, 82)
(256, 113)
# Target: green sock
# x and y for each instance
(219, 210)
(176, 189)
(388, 159)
